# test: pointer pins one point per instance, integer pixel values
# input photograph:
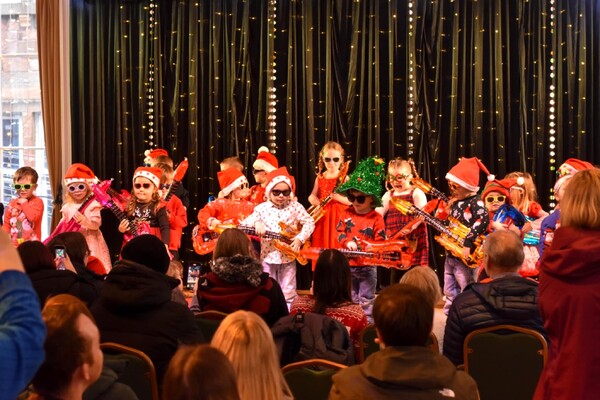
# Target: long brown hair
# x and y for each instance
(580, 205)
(332, 281)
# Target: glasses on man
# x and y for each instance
(492, 199)
(398, 177)
(142, 185)
(329, 159)
(25, 186)
(278, 193)
(77, 188)
(359, 199)
(257, 171)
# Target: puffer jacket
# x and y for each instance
(510, 299)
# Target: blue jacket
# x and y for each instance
(22, 333)
(509, 300)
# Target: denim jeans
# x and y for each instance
(456, 277)
(364, 281)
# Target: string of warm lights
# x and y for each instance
(552, 101)
(271, 77)
(151, 69)
(410, 111)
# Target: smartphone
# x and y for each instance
(192, 276)
(60, 253)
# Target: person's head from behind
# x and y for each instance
(35, 256)
(73, 356)
(247, 341)
(149, 251)
(580, 204)
(332, 280)
(425, 279)
(403, 316)
(502, 252)
(75, 245)
(232, 242)
(25, 182)
(200, 373)
(232, 162)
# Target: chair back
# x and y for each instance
(311, 379)
(368, 345)
(505, 360)
(208, 321)
(139, 373)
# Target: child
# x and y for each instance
(231, 162)
(264, 164)
(332, 172)
(156, 156)
(361, 221)
(176, 211)
(399, 186)
(77, 189)
(152, 155)
(267, 217)
(23, 215)
(145, 209)
(232, 207)
(496, 197)
(468, 208)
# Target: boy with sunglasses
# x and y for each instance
(264, 164)
(268, 217)
(361, 221)
(23, 215)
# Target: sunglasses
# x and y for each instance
(164, 186)
(142, 185)
(398, 177)
(243, 186)
(278, 193)
(359, 199)
(334, 159)
(257, 171)
(77, 188)
(491, 199)
(25, 186)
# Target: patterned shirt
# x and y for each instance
(369, 226)
(472, 213)
(271, 216)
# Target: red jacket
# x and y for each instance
(177, 221)
(569, 301)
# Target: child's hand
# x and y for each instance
(296, 245)
(259, 226)
(526, 228)
(214, 223)
(466, 252)
(79, 218)
(352, 246)
(498, 226)
(124, 226)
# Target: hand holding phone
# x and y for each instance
(59, 256)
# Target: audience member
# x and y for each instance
(21, 326)
(47, 280)
(135, 307)
(200, 373)
(504, 298)
(247, 342)
(404, 367)
(426, 279)
(74, 361)
(237, 281)
(175, 271)
(570, 294)
(332, 295)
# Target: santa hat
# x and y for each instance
(367, 178)
(466, 173)
(151, 173)
(265, 161)
(501, 186)
(79, 173)
(156, 153)
(230, 179)
(573, 165)
(277, 176)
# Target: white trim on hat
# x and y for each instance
(234, 185)
(148, 175)
(263, 165)
(277, 179)
(462, 183)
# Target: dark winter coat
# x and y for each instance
(509, 300)
(135, 309)
(50, 282)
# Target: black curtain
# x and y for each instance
(191, 77)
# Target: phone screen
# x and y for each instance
(59, 252)
(192, 276)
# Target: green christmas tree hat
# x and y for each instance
(367, 178)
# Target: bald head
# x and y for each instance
(503, 252)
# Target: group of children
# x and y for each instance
(348, 211)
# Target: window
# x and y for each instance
(20, 103)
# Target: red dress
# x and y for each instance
(325, 234)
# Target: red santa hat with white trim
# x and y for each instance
(153, 174)
(277, 176)
(265, 161)
(79, 173)
(230, 179)
(466, 173)
(572, 166)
